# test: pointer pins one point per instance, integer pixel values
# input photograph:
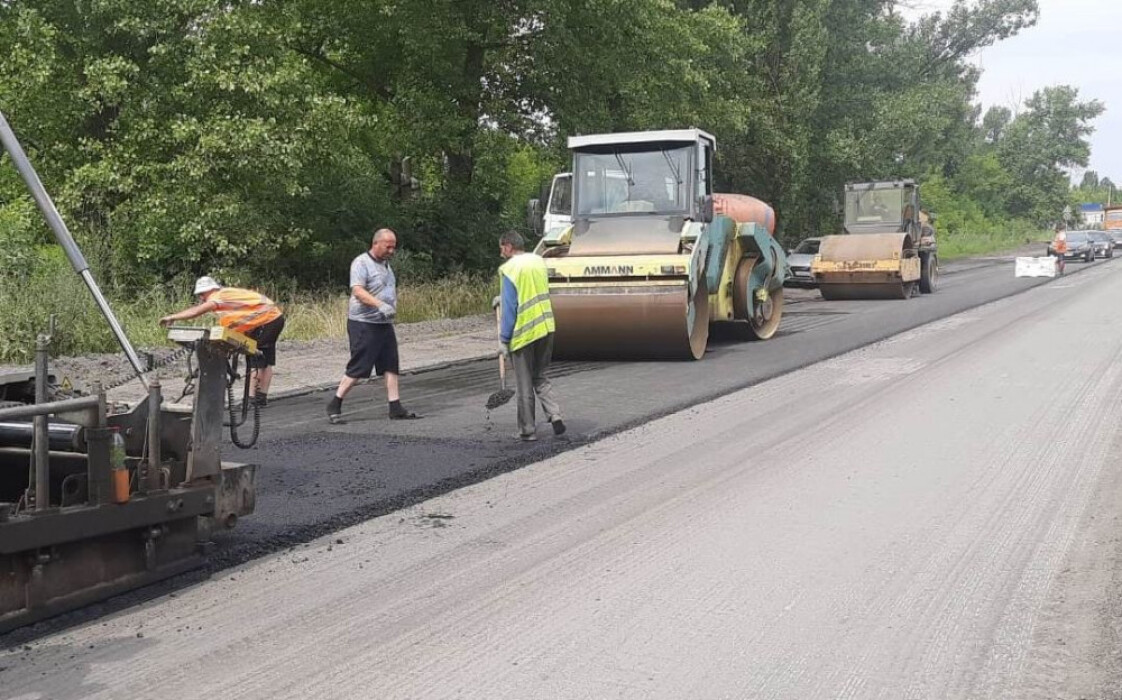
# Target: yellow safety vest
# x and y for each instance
(535, 312)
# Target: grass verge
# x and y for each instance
(965, 245)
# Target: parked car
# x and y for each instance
(799, 261)
(1104, 244)
(1079, 245)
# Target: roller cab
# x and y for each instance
(652, 257)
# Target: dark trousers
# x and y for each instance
(530, 365)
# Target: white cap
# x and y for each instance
(206, 284)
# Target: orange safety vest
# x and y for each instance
(1060, 244)
(242, 309)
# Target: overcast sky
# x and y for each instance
(1075, 42)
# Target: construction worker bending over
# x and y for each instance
(244, 311)
(526, 332)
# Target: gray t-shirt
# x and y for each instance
(376, 278)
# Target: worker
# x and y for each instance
(247, 312)
(370, 326)
(1059, 246)
(526, 332)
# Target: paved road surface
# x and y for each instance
(316, 478)
(934, 516)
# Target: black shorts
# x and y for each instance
(266, 337)
(373, 348)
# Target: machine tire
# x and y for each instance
(929, 274)
(765, 329)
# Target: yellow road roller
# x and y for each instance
(652, 256)
(888, 250)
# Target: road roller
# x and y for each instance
(652, 257)
(888, 250)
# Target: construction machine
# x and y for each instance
(888, 250)
(652, 256)
(98, 498)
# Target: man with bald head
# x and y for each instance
(370, 319)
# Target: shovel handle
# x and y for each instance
(498, 334)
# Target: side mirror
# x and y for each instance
(534, 216)
(705, 209)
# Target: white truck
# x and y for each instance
(558, 209)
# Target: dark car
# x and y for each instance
(1079, 245)
(1104, 244)
(799, 261)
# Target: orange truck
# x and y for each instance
(1112, 221)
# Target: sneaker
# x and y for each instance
(558, 426)
(526, 438)
(402, 414)
(261, 400)
(335, 410)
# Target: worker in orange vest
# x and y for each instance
(247, 312)
(1059, 243)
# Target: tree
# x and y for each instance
(1049, 136)
(995, 123)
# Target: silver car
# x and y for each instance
(799, 261)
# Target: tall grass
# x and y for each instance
(957, 245)
(27, 302)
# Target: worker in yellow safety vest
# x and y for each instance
(526, 332)
(244, 311)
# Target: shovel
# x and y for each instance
(503, 395)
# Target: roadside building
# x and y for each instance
(1092, 215)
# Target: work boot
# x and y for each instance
(335, 410)
(399, 412)
(558, 426)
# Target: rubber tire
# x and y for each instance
(769, 327)
(929, 274)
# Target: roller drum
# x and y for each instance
(630, 321)
(865, 246)
(868, 266)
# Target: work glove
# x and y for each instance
(387, 310)
(496, 302)
(504, 349)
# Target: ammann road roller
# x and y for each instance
(888, 250)
(652, 256)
